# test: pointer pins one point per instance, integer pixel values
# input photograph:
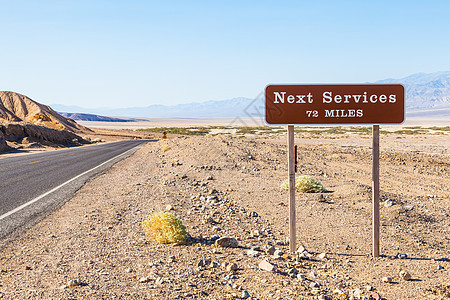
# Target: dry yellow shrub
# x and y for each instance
(165, 228)
(305, 184)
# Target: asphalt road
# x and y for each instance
(33, 185)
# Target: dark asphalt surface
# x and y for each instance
(27, 177)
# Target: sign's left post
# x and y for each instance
(291, 171)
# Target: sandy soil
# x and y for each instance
(94, 246)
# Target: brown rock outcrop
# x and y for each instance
(15, 107)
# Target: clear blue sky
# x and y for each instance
(136, 53)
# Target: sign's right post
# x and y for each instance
(376, 190)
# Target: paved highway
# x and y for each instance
(33, 185)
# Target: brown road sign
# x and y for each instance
(335, 104)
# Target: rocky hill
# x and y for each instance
(26, 123)
(15, 107)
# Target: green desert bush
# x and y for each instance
(164, 228)
(305, 184)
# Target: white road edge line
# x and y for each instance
(60, 186)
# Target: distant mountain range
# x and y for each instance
(426, 94)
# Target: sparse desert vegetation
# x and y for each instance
(228, 186)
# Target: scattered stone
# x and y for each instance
(405, 275)
(388, 203)
(203, 262)
(231, 267)
(305, 255)
(265, 265)
(245, 294)
(386, 279)
(74, 283)
(229, 277)
(144, 279)
(227, 242)
(357, 293)
(214, 237)
(301, 249)
(278, 254)
(314, 285)
(270, 250)
(369, 288)
(301, 277)
(256, 233)
(169, 207)
(252, 253)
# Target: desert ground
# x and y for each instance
(227, 184)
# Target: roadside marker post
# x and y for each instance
(348, 104)
(291, 166)
(376, 190)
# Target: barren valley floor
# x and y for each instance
(94, 246)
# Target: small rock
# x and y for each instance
(169, 207)
(322, 255)
(314, 285)
(357, 293)
(253, 214)
(375, 296)
(301, 249)
(270, 250)
(369, 288)
(388, 203)
(204, 262)
(231, 267)
(74, 282)
(227, 242)
(129, 270)
(144, 279)
(386, 279)
(322, 297)
(252, 253)
(279, 243)
(159, 281)
(278, 254)
(256, 233)
(214, 237)
(216, 228)
(405, 275)
(265, 265)
(301, 277)
(439, 267)
(245, 294)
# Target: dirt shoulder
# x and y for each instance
(94, 246)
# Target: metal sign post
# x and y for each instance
(291, 174)
(336, 104)
(376, 190)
